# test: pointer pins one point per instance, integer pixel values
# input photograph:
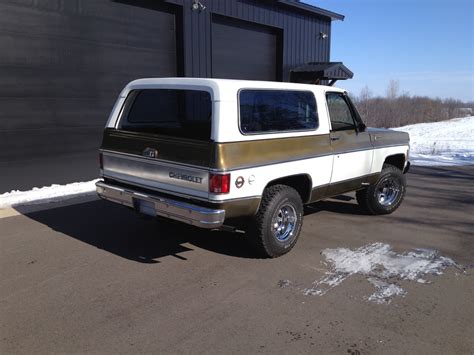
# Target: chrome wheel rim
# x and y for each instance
(284, 223)
(388, 192)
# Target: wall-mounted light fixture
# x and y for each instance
(323, 35)
(198, 6)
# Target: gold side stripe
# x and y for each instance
(235, 155)
(238, 155)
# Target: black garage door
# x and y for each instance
(62, 65)
(241, 50)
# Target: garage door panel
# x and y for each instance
(122, 29)
(52, 112)
(62, 68)
(49, 143)
(79, 55)
(127, 11)
(27, 82)
(241, 51)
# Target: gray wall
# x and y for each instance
(63, 66)
(63, 62)
(301, 41)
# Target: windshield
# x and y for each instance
(172, 112)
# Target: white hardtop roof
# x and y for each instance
(222, 89)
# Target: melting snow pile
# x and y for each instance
(46, 194)
(442, 143)
(382, 266)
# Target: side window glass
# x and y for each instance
(339, 112)
(263, 111)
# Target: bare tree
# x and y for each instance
(398, 110)
(364, 99)
(393, 89)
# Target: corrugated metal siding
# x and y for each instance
(62, 65)
(301, 40)
(64, 61)
(66, 65)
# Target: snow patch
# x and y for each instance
(444, 143)
(53, 193)
(382, 266)
(385, 291)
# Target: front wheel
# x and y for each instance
(278, 222)
(386, 195)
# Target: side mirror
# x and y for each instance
(361, 127)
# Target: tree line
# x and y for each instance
(399, 109)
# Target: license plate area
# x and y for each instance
(145, 207)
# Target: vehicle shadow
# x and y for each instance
(125, 233)
(342, 204)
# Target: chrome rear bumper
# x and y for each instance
(155, 205)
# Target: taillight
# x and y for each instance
(101, 161)
(219, 183)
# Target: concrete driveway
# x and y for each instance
(95, 277)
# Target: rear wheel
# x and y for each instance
(278, 222)
(386, 195)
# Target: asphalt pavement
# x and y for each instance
(96, 277)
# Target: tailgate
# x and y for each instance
(175, 165)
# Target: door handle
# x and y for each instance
(334, 139)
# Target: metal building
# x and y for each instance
(63, 62)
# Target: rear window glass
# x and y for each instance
(276, 111)
(171, 112)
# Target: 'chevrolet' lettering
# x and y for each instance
(190, 178)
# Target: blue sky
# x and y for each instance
(425, 44)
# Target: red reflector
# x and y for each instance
(219, 184)
(101, 161)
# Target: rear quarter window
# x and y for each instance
(274, 111)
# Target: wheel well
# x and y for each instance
(301, 183)
(397, 160)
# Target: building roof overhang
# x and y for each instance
(313, 9)
(317, 71)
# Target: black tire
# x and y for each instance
(375, 200)
(280, 203)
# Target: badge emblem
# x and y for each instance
(239, 182)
